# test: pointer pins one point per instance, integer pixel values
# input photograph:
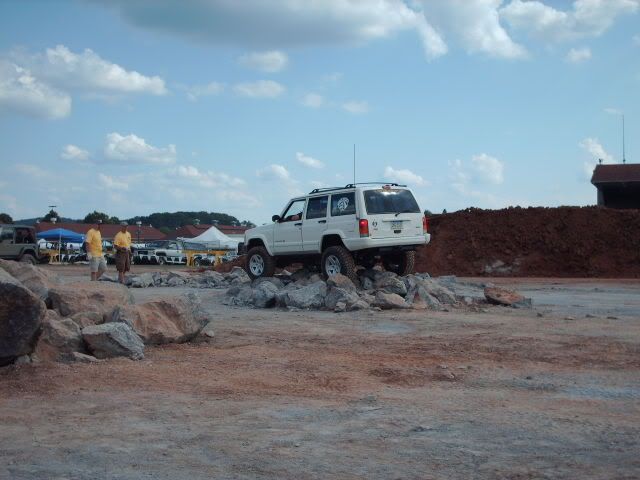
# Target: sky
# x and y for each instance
(134, 107)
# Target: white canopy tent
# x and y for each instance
(214, 238)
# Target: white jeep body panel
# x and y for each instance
(394, 220)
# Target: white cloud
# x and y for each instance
(133, 149)
(403, 176)
(256, 23)
(596, 152)
(488, 169)
(274, 172)
(259, 89)
(270, 62)
(578, 55)
(613, 111)
(111, 183)
(318, 184)
(478, 179)
(208, 179)
(636, 40)
(313, 100)
(355, 107)
(88, 71)
(475, 24)
(21, 92)
(73, 152)
(309, 161)
(197, 91)
(33, 171)
(586, 18)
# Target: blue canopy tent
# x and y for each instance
(61, 234)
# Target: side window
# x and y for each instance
(294, 212)
(343, 204)
(6, 236)
(23, 235)
(317, 207)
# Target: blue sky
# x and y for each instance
(136, 107)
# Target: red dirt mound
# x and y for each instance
(546, 242)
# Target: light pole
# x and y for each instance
(53, 220)
(139, 224)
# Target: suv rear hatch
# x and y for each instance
(392, 213)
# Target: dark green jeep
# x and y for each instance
(18, 242)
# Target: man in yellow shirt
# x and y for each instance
(93, 242)
(122, 244)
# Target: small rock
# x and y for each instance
(509, 298)
(77, 357)
(611, 317)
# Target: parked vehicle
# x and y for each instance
(339, 228)
(18, 242)
(161, 252)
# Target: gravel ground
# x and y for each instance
(552, 392)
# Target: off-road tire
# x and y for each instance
(401, 263)
(347, 263)
(268, 262)
(28, 258)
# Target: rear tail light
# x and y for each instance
(425, 224)
(364, 228)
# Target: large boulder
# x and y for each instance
(84, 319)
(36, 279)
(170, 320)
(60, 336)
(350, 299)
(310, 296)
(341, 281)
(239, 296)
(143, 280)
(419, 298)
(238, 276)
(389, 282)
(435, 289)
(264, 295)
(390, 300)
(79, 297)
(21, 315)
(113, 340)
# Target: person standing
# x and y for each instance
(93, 242)
(122, 244)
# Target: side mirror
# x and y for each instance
(275, 218)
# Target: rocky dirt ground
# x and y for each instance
(551, 392)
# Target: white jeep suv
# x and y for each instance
(340, 228)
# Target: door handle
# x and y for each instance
(297, 224)
(322, 221)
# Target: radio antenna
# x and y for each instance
(624, 160)
(354, 163)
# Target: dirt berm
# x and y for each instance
(547, 242)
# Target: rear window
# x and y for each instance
(390, 201)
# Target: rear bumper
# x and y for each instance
(364, 243)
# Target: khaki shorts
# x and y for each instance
(123, 261)
(97, 264)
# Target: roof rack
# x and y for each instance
(353, 185)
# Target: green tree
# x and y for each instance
(444, 212)
(114, 220)
(427, 213)
(5, 218)
(52, 214)
(94, 216)
(165, 230)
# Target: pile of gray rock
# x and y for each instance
(42, 319)
(376, 289)
(206, 279)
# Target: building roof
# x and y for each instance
(617, 173)
(107, 230)
(192, 231)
